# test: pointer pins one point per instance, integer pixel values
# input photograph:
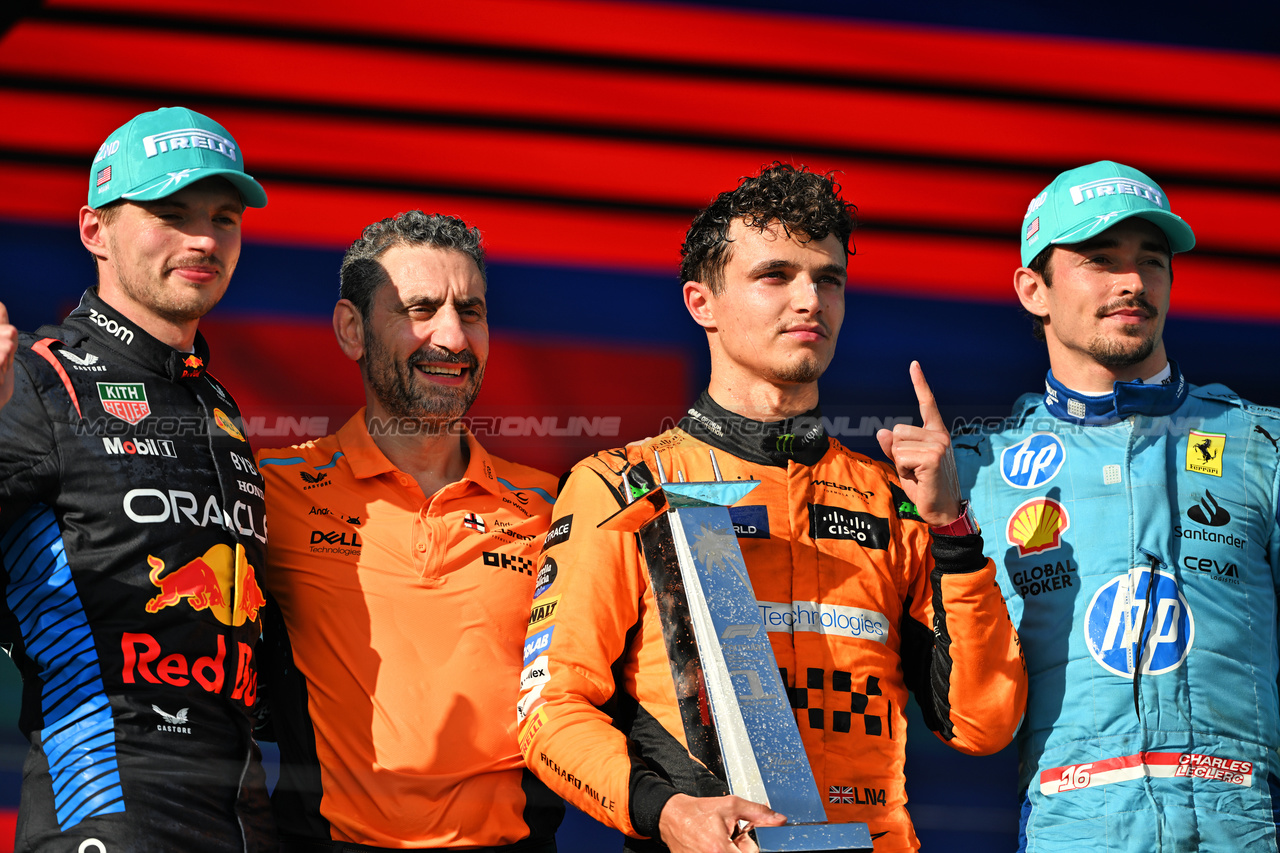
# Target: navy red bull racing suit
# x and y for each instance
(861, 604)
(131, 526)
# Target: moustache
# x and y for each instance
(435, 355)
(196, 261)
(1135, 303)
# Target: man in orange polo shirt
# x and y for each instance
(401, 559)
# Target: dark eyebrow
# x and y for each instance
(779, 264)
(434, 304)
(1105, 242)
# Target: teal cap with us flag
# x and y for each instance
(1082, 203)
(158, 153)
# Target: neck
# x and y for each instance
(759, 399)
(181, 335)
(1081, 373)
(433, 460)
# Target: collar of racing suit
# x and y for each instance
(776, 443)
(96, 320)
(1126, 398)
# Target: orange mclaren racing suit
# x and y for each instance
(860, 602)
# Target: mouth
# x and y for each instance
(806, 332)
(441, 369)
(1128, 312)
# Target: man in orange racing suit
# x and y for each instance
(870, 581)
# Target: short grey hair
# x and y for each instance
(362, 274)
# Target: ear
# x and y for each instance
(1032, 291)
(348, 328)
(92, 233)
(701, 304)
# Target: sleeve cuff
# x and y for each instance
(649, 794)
(958, 555)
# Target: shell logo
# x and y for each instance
(1037, 526)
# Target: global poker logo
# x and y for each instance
(1033, 461)
(1118, 614)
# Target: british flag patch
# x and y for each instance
(840, 794)
(473, 521)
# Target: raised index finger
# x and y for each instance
(930, 417)
(4, 315)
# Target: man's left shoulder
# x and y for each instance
(525, 480)
(1221, 395)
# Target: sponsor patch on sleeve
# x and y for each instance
(546, 576)
(536, 644)
(531, 724)
(559, 532)
(543, 610)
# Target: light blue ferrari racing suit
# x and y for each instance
(1082, 501)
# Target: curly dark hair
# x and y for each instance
(361, 274)
(798, 199)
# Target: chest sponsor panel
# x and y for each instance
(835, 522)
(824, 618)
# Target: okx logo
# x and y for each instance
(1033, 461)
(1118, 620)
(1209, 512)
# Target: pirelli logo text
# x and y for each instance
(188, 137)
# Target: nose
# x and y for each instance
(804, 295)
(1129, 280)
(201, 235)
(447, 331)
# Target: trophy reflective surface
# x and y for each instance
(737, 719)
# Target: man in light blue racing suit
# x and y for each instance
(1134, 519)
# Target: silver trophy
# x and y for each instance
(733, 703)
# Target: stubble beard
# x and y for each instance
(164, 301)
(1131, 345)
(395, 385)
(807, 369)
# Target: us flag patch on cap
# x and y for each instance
(104, 175)
(1033, 227)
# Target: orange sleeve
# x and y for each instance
(588, 607)
(961, 655)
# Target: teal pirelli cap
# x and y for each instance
(1082, 203)
(158, 153)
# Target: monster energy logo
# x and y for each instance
(785, 442)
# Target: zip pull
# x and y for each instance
(1148, 613)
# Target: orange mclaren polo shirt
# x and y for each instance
(406, 614)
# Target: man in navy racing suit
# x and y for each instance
(132, 521)
(1134, 516)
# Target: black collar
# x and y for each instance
(97, 321)
(775, 443)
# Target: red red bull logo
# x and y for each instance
(192, 366)
(210, 582)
